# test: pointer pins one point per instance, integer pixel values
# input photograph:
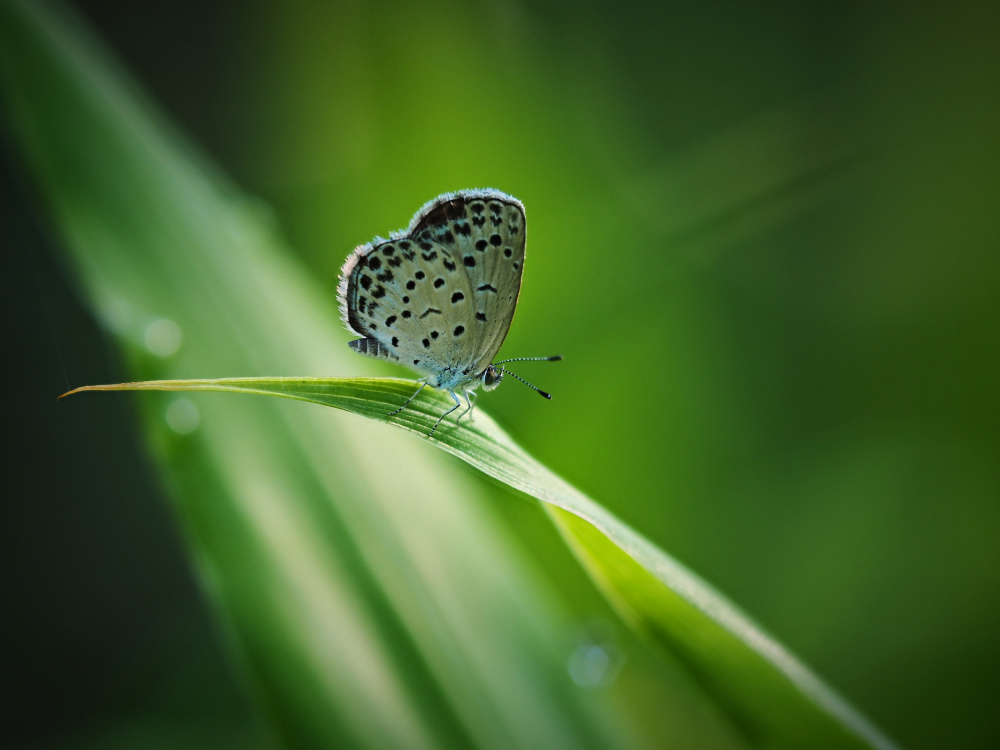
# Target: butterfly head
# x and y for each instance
(491, 377)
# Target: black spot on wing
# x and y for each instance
(487, 288)
(457, 297)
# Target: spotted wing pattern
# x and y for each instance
(439, 297)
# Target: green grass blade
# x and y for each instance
(773, 698)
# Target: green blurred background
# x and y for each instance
(766, 240)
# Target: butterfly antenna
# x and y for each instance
(554, 358)
(539, 390)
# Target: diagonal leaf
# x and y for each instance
(771, 696)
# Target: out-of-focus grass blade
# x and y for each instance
(773, 698)
(370, 599)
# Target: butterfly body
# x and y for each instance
(439, 296)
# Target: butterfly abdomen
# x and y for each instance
(372, 348)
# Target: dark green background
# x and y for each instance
(766, 239)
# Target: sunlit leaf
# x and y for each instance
(771, 696)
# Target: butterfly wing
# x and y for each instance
(485, 230)
(439, 297)
(397, 294)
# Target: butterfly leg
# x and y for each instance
(470, 399)
(457, 405)
(423, 384)
(467, 408)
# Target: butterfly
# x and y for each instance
(439, 296)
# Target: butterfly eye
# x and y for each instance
(491, 378)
